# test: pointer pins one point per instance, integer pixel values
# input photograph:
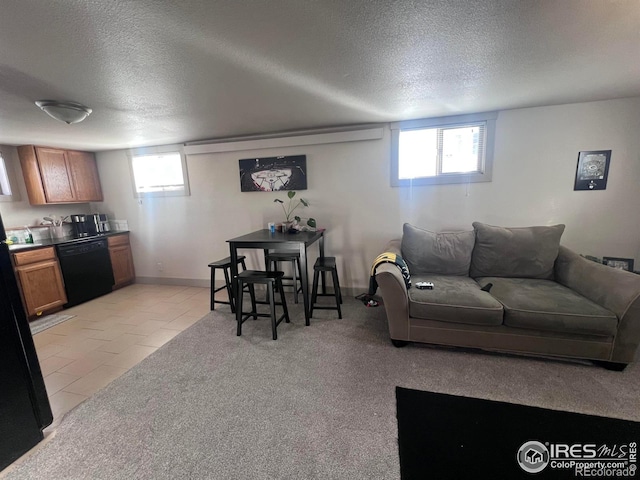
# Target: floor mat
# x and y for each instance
(48, 321)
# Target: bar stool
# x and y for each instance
(271, 280)
(272, 261)
(325, 264)
(225, 265)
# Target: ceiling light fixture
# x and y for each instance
(67, 112)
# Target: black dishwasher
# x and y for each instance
(86, 269)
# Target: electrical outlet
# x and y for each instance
(160, 266)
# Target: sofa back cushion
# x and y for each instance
(447, 253)
(527, 252)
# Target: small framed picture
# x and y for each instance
(592, 170)
(619, 263)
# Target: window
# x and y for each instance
(159, 171)
(442, 150)
(5, 186)
(7, 194)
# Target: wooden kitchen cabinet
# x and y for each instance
(40, 280)
(121, 260)
(55, 175)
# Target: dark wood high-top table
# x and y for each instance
(293, 242)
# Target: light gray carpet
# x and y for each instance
(48, 321)
(317, 403)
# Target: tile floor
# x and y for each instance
(109, 335)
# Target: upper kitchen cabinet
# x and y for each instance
(59, 176)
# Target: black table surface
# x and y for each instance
(265, 236)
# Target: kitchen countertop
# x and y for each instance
(22, 247)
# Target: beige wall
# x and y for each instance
(348, 185)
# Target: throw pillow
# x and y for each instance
(526, 252)
(446, 253)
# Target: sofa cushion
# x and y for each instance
(454, 299)
(545, 305)
(527, 252)
(447, 253)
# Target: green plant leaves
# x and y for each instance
(310, 222)
(292, 205)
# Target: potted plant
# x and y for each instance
(291, 207)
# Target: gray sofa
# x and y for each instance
(511, 290)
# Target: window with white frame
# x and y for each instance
(5, 186)
(7, 194)
(444, 150)
(159, 171)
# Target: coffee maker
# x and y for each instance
(89, 225)
(79, 224)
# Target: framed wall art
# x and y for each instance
(273, 174)
(619, 263)
(592, 170)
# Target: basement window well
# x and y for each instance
(444, 150)
(159, 172)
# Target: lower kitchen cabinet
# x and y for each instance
(40, 280)
(121, 260)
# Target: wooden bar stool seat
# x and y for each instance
(325, 264)
(225, 265)
(273, 282)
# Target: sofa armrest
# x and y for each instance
(394, 246)
(394, 295)
(616, 290)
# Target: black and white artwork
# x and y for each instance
(619, 263)
(273, 174)
(592, 170)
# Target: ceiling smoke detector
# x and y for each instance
(67, 112)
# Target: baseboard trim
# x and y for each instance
(206, 283)
(188, 282)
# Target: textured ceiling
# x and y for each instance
(162, 71)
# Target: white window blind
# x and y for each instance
(159, 171)
(5, 185)
(447, 150)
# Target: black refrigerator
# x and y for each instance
(24, 407)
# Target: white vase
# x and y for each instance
(57, 231)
